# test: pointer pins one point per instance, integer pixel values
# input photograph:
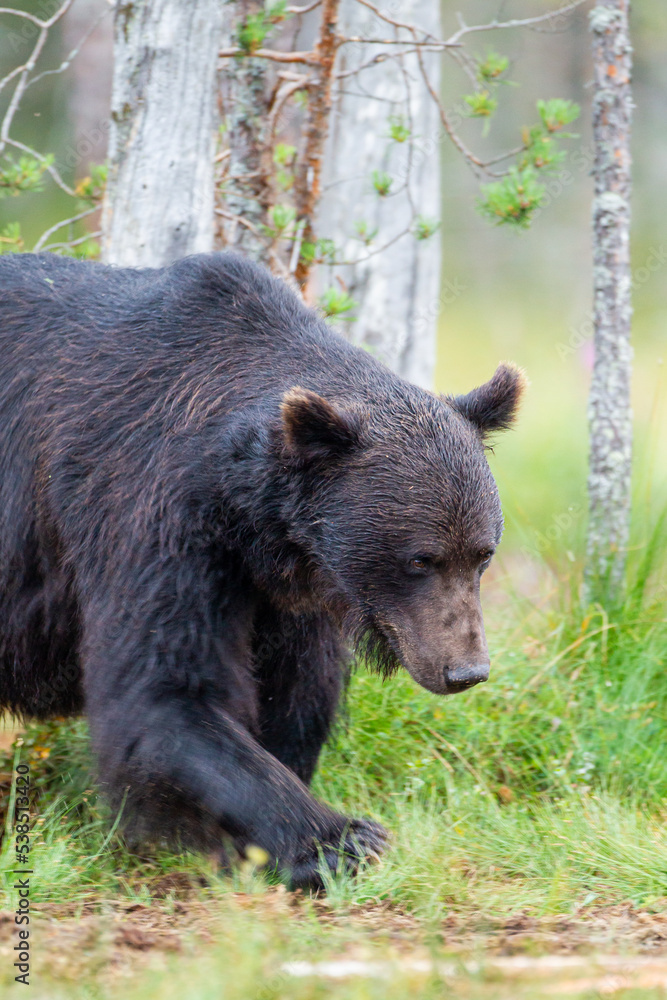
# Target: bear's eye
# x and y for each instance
(485, 558)
(419, 564)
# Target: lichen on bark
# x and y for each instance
(245, 97)
(609, 411)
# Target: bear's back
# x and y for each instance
(211, 326)
(194, 300)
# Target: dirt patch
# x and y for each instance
(138, 927)
(606, 928)
(111, 939)
(591, 950)
(623, 928)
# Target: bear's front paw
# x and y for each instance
(344, 849)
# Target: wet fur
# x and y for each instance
(163, 439)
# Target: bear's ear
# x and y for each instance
(315, 429)
(493, 406)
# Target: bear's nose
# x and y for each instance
(461, 678)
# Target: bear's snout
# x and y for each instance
(441, 642)
(462, 678)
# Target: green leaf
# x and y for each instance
(283, 157)
(398, 130)
(282, 216)
(336, 302)
(513, 199)
(326, 250)
(285, 179)
(91, 189)
(492, 68)
(382, 182)
(88, 250)
(26, 175)
(308, 252)
(277, 12)
(481, 104)
(424, 228)
(252, 32)
(283, 154)
(11, 240)
(320, 252)
(541, 152)
(557, 113)
(363, 232)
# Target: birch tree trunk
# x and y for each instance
(246, 101)
(610, 415)
(159, 200)
(397, 290)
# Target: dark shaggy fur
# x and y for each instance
(204, 494)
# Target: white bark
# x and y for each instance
(245, 98)
(397, 290)
(159, 201)
(610, 415)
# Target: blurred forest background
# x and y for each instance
(523, 296)
(539, 796)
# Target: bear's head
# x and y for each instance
(400, 516)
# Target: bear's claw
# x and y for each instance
(360, 841)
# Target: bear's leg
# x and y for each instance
(173, 727)
(186, 756)
(300, 668)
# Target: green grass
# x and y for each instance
(568, 735)
(541, 792)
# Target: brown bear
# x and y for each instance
(206, 496)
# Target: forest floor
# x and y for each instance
(119, 948)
